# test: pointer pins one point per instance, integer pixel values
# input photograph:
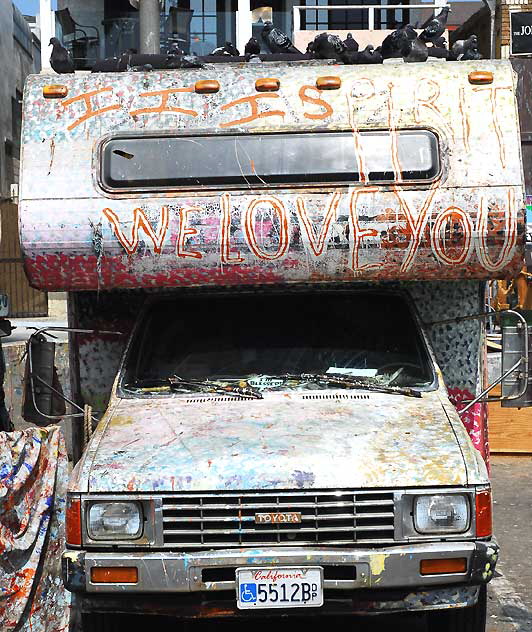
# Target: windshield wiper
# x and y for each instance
(176, 382)
(351, 382)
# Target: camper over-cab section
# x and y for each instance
(272, 173)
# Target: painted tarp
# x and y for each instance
(80, 233)
(33, 480)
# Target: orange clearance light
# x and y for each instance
(114, 575)
(207, 86)
(267, 85)
(54, 92)
(73, 521)
(479, 77)
(483, 513)
(328, 83)
(443, 566)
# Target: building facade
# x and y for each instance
(20, 55)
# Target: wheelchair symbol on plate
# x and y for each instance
(248, 593)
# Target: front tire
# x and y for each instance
(472, 619)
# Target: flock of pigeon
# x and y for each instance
(403, 43)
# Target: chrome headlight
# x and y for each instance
(441, 513)
(114, 521)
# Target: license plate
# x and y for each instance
(289, 587)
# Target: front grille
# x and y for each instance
(219, 520)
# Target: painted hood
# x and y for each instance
(285, 441)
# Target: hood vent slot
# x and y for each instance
(335, 396)
(203, 400)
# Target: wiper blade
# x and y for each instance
(352, 382)
(177, 382)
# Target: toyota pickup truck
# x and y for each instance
(295, 255)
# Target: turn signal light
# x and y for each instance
(443, 566)
(483, 513)
(54, 92)
(207, 86)
(73, 521)
(114, 575)
(267, 85)
(479, 77)
(328, 83)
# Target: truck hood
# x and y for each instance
(310, 439)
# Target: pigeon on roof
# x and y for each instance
(350, 43)
(418, 51)
(327, 46)
(277, 41)
(252, 47)
(61, 59)
(227, 49)
(435, 26)
(396, 44)
(470, 49)
(175, 49)
(369, 55)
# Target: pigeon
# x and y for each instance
(252, 47)
(175, 49)
(228, 49)
(61, 59)
(277, 41)
(184, 61)
(471, 52)
(462, 47)
(396, 44)
(440, 42)
(327, 46)
(418, 51)
(350, 43)
(439, 52)
(370, 56)
(434, 26)
(254, 59)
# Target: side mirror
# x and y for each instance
(43, 403)
(6, 328)
(516, 386)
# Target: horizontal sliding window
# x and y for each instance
(263, 160)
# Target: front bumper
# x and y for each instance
(384, 569)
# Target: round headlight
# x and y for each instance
(441, 513)
(114, 521)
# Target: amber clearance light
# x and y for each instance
(267, 85)
(114, 575)
(73, 521)
(480, 77)
(54, 92)
(483, 513)
(443, 566)
(207, 86)
(328, 83)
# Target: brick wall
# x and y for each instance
(502, 23)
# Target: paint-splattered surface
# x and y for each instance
(467, 223)
(33, 478)
(285, 441)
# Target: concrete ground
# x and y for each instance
(510, 594)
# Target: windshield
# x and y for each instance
(274, 342)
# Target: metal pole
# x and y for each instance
(244, 28)
(47, 27)
(150, 27)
